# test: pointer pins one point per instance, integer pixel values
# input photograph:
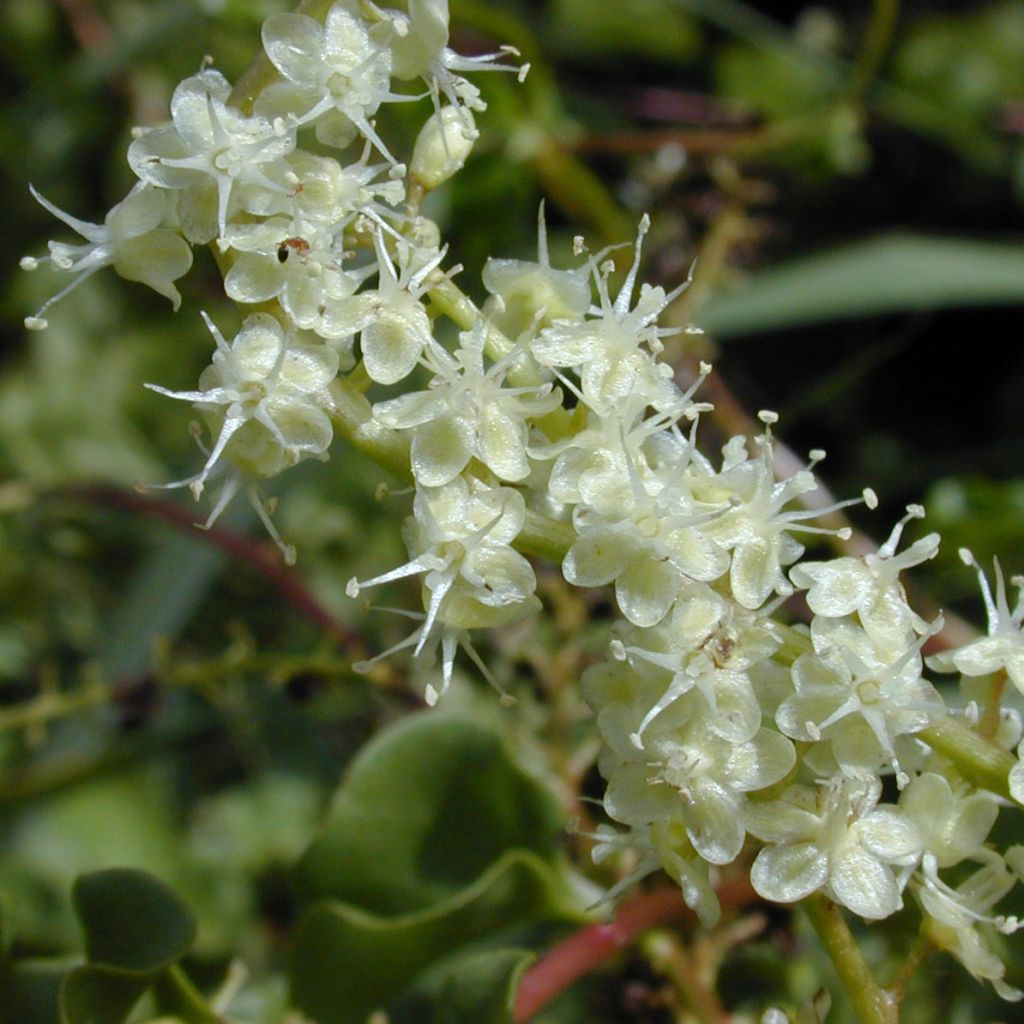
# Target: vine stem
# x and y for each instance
(877, 40)
(668, 956)
(252, 553)
(588, 948)
(871, 1003)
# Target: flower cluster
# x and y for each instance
(729, 733)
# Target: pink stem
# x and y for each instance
(591, 946)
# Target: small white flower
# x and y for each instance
(131, 239)
(209, 150)
(467, 413)
(527, 295)
(264, 400)
(295, 261)
(1003, 648)
(953, 826)
(395, 327)
(758, 528)
(336, 74)
(613, 353)
(953, 916)
(840, 842)
(850, 691)
(459, 540)
(869, 586)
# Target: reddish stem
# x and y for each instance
(261, 557)
(591, 946)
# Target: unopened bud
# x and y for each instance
(443, 144)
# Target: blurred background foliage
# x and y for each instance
(850, 182)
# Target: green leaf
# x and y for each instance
(132, 921)
(425, 808)
(890, 273)
(100, 995)
(437, 839)
(135, 929)
(481, 989)
(28, 988)
(347, 962)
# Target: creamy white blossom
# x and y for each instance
(208, 151)
(134, 239)
(1003, 648)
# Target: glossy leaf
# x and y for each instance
(347, 962)
(437, 839)
(427, 807)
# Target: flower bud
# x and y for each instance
(442, 146)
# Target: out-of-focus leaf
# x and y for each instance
(135, 928)
(132, 920)
(970, 63)
(347, 962)
(890, 273)
(28, 989)
(656, 29)
(437, 838)
(481, 989)
(773, 82)
(425, 808)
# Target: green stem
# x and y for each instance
(979, 760)
(667, 956)
(53, 704)
(176, 995)
(877, 41)
(870, 1003)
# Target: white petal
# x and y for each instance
(785, 874)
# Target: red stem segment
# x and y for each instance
(591, 946)
(258, 556)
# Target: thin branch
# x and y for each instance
(255, 554)
(590, 947)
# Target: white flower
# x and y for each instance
(336, 74)
(709, 645)
(952, 826)
(320, 190)
(1003, 648)
(395, 325)
(467, 413)
(131, 239)
(647, 534)
(757, 528)
(458, 540)
(613, 353)
(695, 769)
(870, 585)
(849, 683)
(663, 844)
(419, 45)
(264, 400)
(295, 261)
(528, 294)
(209, 150)
(840, 842)
(953, 916)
